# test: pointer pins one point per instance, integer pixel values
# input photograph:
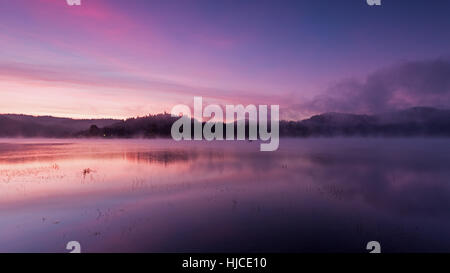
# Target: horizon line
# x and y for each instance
(165, 112)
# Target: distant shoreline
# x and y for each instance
(422, 122)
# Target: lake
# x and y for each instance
(312, 195)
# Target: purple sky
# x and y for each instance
(111, 58)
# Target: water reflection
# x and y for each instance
(26, 153)
(157, 195)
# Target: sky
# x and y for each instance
(128, 58)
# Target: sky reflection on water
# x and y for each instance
(315, 195)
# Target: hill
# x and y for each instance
(417, 121)
(12, 125)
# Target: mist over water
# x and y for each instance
(312, 195)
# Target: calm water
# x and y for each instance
(316, 195)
